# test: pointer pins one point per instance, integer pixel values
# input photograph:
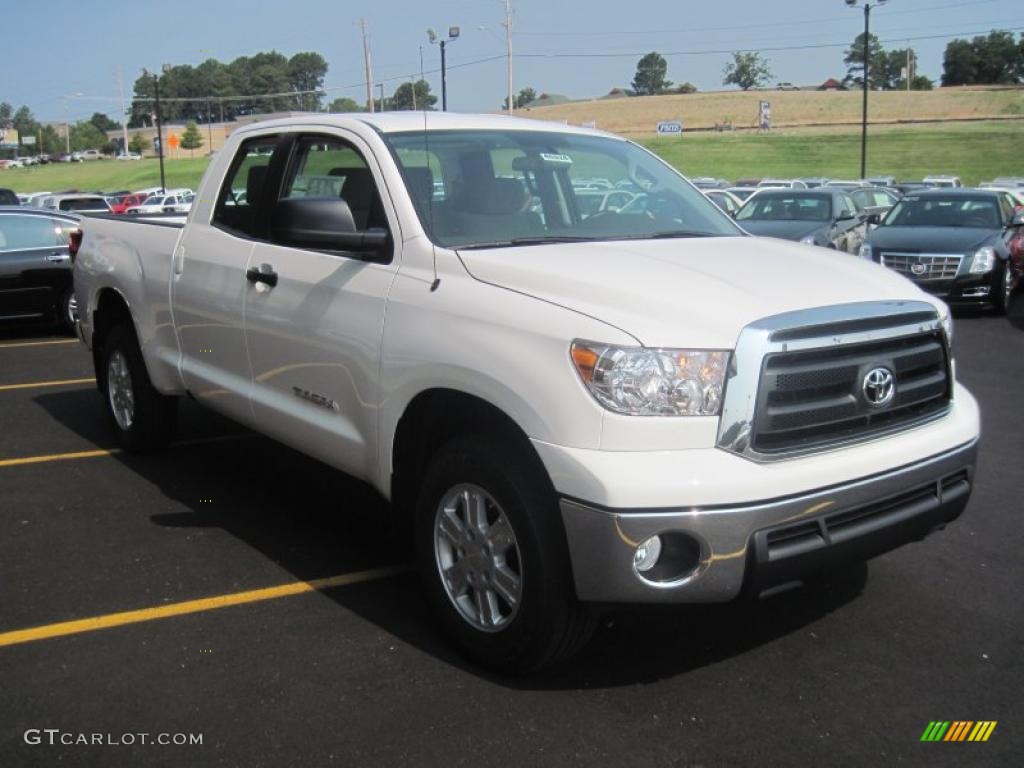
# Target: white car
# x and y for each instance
(75, 202)
(162, 204)
(942, 181)
(781, 184)
(128, 156)
(565, 411)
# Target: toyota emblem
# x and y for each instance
(879, 387)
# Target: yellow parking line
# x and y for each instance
(39, 343)
(36, 384)
(111, 451)
(109, 620)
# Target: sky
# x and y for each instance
(579, 48)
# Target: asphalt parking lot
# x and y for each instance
(846, 673)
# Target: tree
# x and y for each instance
(746, 70)
(344, 104)
(306, 72)
(191, 138)
(996, 58)
(877, 59)
(50, 141)
(138, 144)
(6, 111)
(103, 122)
(413, 96)
(85, 135)
(521, 99)
(25, 123)
(650, 75)
(686, 88)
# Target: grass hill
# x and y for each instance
(638, 116)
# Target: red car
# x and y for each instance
(127, 201)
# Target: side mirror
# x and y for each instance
(326, 223)
(874, 219)
(1017, 220)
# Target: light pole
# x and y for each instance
(67, 122)
(159, 132)
(867, 72)
(453, 34)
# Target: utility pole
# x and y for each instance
(67, 128)
(508, 48)
(444, 81)
(910, 74)
(124, 112)
(366, 67)
(867, 76)
(381, 86)
(159, 130)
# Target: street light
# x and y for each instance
(453, 34)
(867, 65)
(67, 122)
(156, 117)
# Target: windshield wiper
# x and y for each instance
(667, 235)
(517, 241)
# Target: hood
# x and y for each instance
(786, 230)
(696, 292)
(930, 239)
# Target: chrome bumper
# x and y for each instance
(761, 544)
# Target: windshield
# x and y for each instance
(83, 204)
(794, 207)
(940, 211)
(495, 188)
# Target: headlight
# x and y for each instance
(983, 261)
(947, 324)
(653, 382)
(865, 252)
(809, 239)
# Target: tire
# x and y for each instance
(546, 623)
(1003, 292)
(66, 310)
(142, 419)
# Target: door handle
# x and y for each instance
(265, 274)
(58, 256)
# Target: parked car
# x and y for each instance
(646, 407)
(875, 201)
(1017, 193)
(881, 181)
(825, 217)
(128, 156)
(741, 193)
(162, 204)
(8, 197)
(942, 181)
(35, 266)
(725, 200)
(906, 187)
(787, 86)
(36, 198)
(953, 243)
(1009, 181)
(127, 201)
(781, 184)
(26, 160)
(847, 183)
(77, 202)
(10, 163)
(709, 182)
(813, 182)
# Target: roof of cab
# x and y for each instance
(407, 121)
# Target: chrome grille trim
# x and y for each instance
(839, 326)
(938, 266)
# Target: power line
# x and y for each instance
(736, 27)
(759, 49)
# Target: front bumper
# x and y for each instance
(755, 546)
(965, 289)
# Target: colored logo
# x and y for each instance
(879, 387)
(958, 730)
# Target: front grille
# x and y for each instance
(929, 266)
(814, 398)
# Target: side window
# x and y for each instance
(243, 185)
(24, 232)
(1006, 206)
(328, 167)
(847, 206)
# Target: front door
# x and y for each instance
(314, 334)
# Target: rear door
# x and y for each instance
(314, 335)
(35, 266)
(209, 285)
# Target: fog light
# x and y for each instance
(647, 554)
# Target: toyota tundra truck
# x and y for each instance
(568, 409)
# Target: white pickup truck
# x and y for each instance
(643, 404)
